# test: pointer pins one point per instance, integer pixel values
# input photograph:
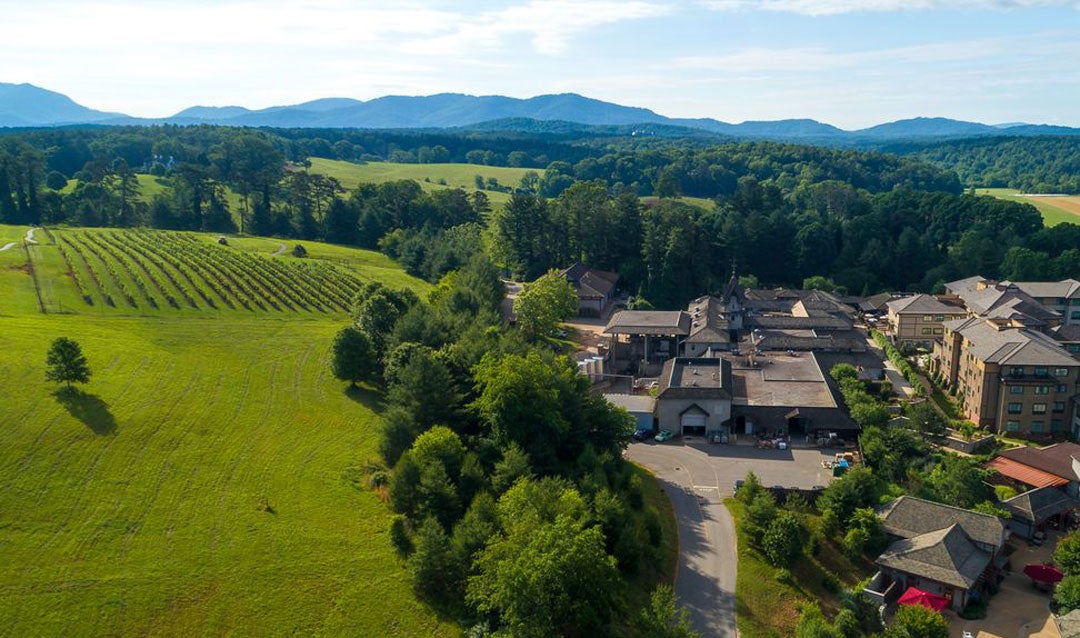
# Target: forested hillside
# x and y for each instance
(1030, 165)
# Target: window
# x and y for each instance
(1016, 408)
(1061, 372)
(937, 331)
(928, 318)
(1075, 314)
(1042, 389)
(1059, 407)
(1041, 372)
(1038, 408)
(1036, 426)
(939, 317)
(1012, 426)
(1016, 389)
(1056, 425)
(926, 331)
(1062, 387)
(1016, 371)
(1074, 347)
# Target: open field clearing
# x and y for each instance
(1055, 210)
(209, 479)
(455, 175)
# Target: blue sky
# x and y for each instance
(847, 62)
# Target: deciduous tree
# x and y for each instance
(65, 362)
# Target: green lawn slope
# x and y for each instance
(209, 479)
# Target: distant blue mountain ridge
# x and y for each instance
(25, 105)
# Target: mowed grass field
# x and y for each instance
(208, 480)
(1055, 210)
(455, 175)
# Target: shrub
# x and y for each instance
(299, 251)
(399, 536)
(831, 583)
(783, 575)
(1067, 594)
(855, 541)
(782, 541)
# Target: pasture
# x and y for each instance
(211, 477)
(428, 175)
(1055, 210)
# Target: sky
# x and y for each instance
(851, 63)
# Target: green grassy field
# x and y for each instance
(1052, 215)
(207, 481)
(455, 175)
(766, 607)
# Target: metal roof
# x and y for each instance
(1025, 473)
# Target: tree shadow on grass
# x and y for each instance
(366, 396)
(88, 408)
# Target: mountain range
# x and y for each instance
(25, 105)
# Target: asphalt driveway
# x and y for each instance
(697, 476)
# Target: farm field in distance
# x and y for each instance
(1055, 209)
(210, 477)
(456, 175)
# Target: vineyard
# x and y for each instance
(149, 271)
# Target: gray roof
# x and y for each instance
(1070, 332)
(945, 555)
(649, 322)
(1064, 289)
(827, 322)
(908, 517)
(1010, 346)
(695, 378)
(1039, 504)
(633, 403)
(968, 283)
(708, 323)
(923, 304)
(875, 302)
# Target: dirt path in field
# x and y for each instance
(277, 252)
(1069, 204)
(29, 239)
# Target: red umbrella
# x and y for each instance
(1043, 573)
(915, 596)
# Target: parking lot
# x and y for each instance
(711, 465)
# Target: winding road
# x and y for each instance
(705, 577)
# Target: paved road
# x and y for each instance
(705, 580)
(697, 476)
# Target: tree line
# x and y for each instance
(516, 509)
(1030, 165)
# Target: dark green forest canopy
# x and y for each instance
(1028, 164)
(868, 221)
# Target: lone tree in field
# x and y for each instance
(544, 303)
(354, 356)
(65, 362)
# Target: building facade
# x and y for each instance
(1007, 377)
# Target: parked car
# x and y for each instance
(641, 434)
(664, 435)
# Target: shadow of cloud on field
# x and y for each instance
(367, 397)
(88, 408)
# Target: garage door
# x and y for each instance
(693, 423)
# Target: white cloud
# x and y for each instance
(548, 24)
(820, 59)
(835, 7)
